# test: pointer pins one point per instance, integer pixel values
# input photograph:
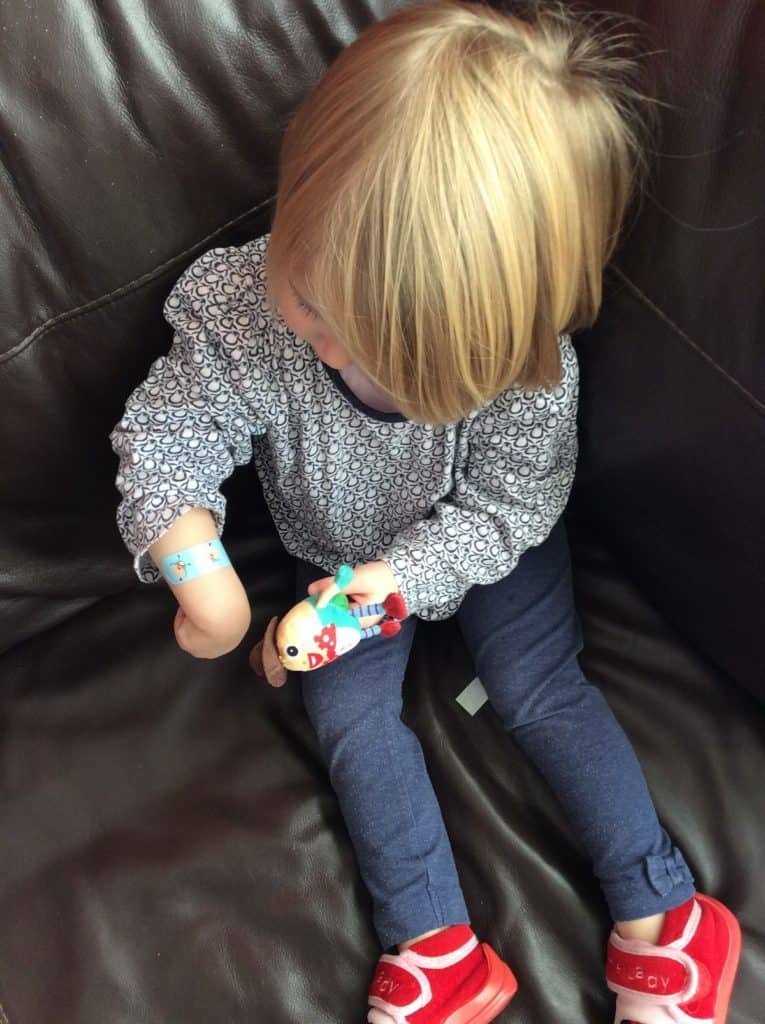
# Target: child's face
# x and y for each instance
(303, 320)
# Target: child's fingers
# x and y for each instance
(319, 586)
(181, 629)
(368, 584)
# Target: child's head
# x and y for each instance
(450, 193)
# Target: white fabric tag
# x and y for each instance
(473, 697)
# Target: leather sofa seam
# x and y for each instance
(139, 282)
(125, 289)
(694, 346)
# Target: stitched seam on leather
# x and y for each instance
(139, 282)
(751, 398)
(125, 289)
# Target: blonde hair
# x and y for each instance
(451, 191)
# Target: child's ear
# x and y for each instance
(264, 657)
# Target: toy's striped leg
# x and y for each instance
(370, 631)
(367, 610)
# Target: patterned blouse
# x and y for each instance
(446, 506)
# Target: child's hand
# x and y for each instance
(213, 637)
(371, 584)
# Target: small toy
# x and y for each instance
(319, 629)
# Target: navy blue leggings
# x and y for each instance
(524, 639)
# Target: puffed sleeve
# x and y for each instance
(512, 479)
(192, 420)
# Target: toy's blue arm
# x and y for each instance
(344, 577)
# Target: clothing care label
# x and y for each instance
(473, 697)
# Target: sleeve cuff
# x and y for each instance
(412, 572)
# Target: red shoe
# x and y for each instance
(687, 977)
(445, 979)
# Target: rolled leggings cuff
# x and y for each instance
(402, 921)
(656, 884)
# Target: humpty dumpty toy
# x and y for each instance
(319, 629)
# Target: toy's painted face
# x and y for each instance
(296, 660)
(298, 640)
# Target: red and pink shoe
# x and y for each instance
(687, 977)
(448, 978)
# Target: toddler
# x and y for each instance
(396, 360)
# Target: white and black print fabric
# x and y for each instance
(447, 506)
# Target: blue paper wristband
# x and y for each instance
(191, 563)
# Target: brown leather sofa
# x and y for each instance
(172, 852)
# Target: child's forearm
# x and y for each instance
(216, 602)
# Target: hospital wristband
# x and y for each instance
(191, 563)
